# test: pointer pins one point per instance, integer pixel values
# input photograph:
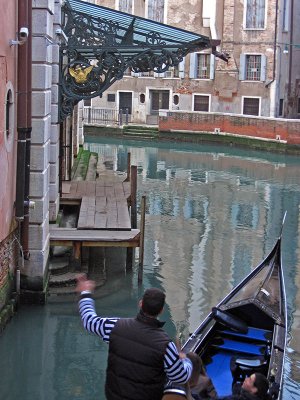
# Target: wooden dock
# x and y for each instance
(107, 217)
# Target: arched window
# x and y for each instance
(176, 99)
(142, 98)
(9, 118)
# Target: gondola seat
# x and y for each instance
(242, 367)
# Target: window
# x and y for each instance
(156, 10)
(255, 14)
(251, 106)
(285, 16)
(280, 112)
(125, 6)
(202, 66)
(253, 67)
(87, 102)
(111, 97)
(298, 105)
(142, 98)
(176, 99)
(201, 103)
(9, 117)
(173, 72)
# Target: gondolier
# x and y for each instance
(141, 355)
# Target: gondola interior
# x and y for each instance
(246, 332)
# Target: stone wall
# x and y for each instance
(46, 16)
(277, 129)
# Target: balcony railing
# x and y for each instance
(106, 116)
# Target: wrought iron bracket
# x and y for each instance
(103, 43)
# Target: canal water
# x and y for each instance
(212, 214)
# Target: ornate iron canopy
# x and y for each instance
(103, 43)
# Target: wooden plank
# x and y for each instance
(109, 191)
(101, 204)
(126, 189)
(100, 220)
(73, 189)
(112, 214)
(123, 215)
(66, 187)
(90, 223)
(88, 235)
(100, 189)
(119, 191)
(87, 213)
(81, 188)
(90, 188)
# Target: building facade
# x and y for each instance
(261, 77)
(8, 150)
(30, 173)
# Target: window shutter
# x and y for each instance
(263, 70)
(181, 68)
(212, 67)
(242, 73)
(193, 58)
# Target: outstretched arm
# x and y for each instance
(90, 320)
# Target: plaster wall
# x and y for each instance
(8, 140)
(8, 149)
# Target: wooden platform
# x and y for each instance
(104, 218)
(103, 204)
(94, 238)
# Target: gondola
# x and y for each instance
(246, 331)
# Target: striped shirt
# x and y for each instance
(177, 369)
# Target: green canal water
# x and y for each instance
(212, 214)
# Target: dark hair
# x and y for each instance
(262, 385)
(153, 301)
(198, 367)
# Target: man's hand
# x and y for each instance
(83, 284)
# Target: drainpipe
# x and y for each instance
(289, 91)
(23, 121)
(27, 203)
(273, 101)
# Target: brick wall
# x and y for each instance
(265, 128)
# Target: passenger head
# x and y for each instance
(257, 384)
(153, 301)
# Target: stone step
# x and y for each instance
(66, 279)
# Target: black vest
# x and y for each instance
(135, 369)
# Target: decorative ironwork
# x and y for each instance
(103, 43)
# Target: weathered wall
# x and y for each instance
(264, 128)
(46, 16)
(8, 147)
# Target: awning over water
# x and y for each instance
(103, 43)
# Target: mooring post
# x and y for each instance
(142, 240)
(77, 255)
(133, 214)
(128, 167)
(133, 190)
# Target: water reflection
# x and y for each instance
(212, 214)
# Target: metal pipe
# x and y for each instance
(25, 225)
(289, 91)
(275, 46)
